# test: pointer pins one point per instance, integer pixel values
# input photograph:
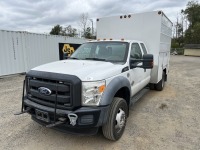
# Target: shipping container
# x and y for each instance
(21, 51)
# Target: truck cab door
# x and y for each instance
(138, 76)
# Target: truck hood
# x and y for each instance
(86, 70)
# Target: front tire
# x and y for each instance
(114, 127)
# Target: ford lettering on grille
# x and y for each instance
(44, 91)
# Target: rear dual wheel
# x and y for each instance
(160, 85)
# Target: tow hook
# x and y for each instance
(72, 118)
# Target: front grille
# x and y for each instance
(62, 88)
(68, 89)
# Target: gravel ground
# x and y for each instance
(160, 120)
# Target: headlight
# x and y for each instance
(91, 92)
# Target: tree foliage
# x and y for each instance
(88, 33)
(72, 32)
(68, 31)
(56, 30)
(192, 35)
(83, 23)
(192, 12)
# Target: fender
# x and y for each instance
(112, 88)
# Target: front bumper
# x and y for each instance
(87, 123)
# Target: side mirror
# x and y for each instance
(147, 62)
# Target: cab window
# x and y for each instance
(143, 48)
(136, 52)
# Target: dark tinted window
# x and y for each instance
(144, 48)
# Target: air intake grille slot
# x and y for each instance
(64, 92)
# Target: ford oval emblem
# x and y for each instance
(44, 91)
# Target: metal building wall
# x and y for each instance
(21, 51)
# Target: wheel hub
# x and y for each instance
(120, 120)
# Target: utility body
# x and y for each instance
(96, 85)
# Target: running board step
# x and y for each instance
(138, 95)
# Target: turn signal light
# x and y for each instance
(101, 88)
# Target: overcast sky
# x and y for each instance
(40, 16)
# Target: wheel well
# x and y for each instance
(124, 93)
(165, 71)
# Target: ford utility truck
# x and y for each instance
(98, 83)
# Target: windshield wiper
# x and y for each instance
(98, 59)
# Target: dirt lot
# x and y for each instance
(160, 120)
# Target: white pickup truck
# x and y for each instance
(96, 85)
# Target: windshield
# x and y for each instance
(102, 51)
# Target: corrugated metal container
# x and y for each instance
(21, 51)
(11, 53)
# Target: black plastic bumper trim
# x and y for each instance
(45, 108)
(72, 130)
(99, 113)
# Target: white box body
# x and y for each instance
(153, 28)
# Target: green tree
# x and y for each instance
(192, 12)
(57, 30)
(88, 33)
(70, 31)
(192, 35)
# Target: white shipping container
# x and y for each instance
(21, 51)
(12, 58)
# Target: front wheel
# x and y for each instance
(114, 127)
